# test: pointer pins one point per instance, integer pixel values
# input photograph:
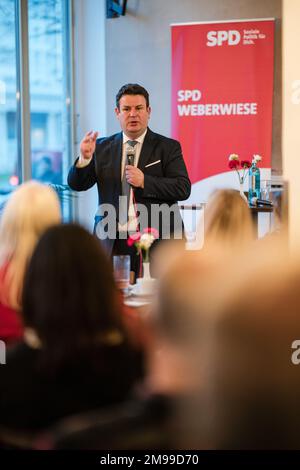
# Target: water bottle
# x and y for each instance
(254, 182)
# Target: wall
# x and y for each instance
(291, 114)
(138, 50)
(90, 88)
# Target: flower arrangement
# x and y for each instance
(143, 241)
(257, 158)
(235, 164)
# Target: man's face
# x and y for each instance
(133, 115)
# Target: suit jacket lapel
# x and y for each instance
(147, 149)
(116, 158)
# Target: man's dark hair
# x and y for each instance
(132, 89)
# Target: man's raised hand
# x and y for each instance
(88, 145)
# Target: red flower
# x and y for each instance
(245, 164)
(151, 230)
(233, 164)
(135, 237)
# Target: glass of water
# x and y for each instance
(265, 190)
(122, 272)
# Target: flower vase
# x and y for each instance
(145, 284)
(242, 194)
(146, 270)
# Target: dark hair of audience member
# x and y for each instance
(70, 299)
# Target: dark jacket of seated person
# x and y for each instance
(76, 355)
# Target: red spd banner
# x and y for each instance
(222, 89)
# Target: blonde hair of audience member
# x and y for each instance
(252, 387)
(31, 209)
(227, 220)
(165, 254)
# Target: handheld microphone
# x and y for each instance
(130, 159)
(130, 154)
(255, 201)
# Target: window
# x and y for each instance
(48, 71)
(8, 102)
(48, 28)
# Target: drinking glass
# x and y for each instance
(122, 272)
(265, 189)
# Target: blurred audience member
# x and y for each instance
(187, 296)
(252, 384)
(163, 417)
(165, 253)
(31, 209)
(76, 355)
(227, 219)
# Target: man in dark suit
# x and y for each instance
(136, 171)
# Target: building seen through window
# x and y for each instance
(48, 25)
(8, 102)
